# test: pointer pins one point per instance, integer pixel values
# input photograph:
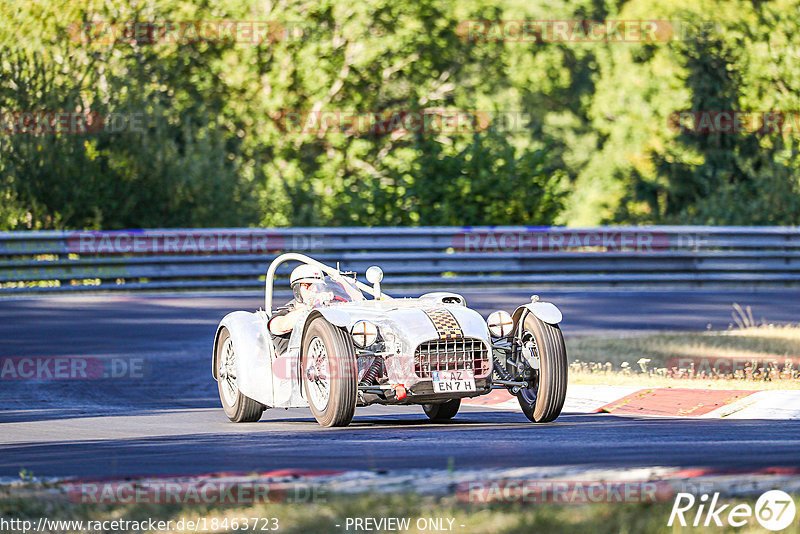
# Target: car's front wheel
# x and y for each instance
(238, 407)
(543, 399)
(330, 373)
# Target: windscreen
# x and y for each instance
(333, 289)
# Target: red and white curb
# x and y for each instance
(665, 402)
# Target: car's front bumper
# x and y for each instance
(422, 393)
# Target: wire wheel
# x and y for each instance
(227, 373)
(318, 374)
(329, 373)
(238, 407)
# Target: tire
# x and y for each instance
(238, 407)
(328, 351)
(542, 403)
(443, 411)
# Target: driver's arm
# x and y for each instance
(284, 323)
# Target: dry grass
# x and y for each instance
(324, 516)
(761, 357)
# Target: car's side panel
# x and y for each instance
(287, 386)
(254, 354)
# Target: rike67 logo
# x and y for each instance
(774, 510)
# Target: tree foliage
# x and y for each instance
(212, 147)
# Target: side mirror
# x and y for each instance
(374, 276)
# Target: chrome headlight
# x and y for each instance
(364, 334)
(500, 323)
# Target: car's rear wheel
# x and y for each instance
(238, 407)
(543, 399)
(330, 373)
(442, 411)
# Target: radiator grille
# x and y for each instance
(451, 355)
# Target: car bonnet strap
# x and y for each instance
(445, 323)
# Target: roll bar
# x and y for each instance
(302, 258)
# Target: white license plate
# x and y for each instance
(453, 381)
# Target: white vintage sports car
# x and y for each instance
(350, 351)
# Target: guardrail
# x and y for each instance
(423, 256)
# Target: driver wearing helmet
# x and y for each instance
(305, 281)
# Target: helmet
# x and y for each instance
(305, 274)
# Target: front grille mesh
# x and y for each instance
(451, 355)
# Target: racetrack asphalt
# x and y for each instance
(167, 418)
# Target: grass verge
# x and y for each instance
(321, 517)
(759, 357)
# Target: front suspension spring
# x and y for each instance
(500, 370)
(371, 376)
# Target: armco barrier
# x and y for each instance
(424, 256)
